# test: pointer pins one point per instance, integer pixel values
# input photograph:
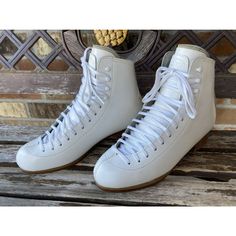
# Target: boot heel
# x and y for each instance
(201, 143)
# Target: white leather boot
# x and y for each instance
(178, 111)
(106, 103)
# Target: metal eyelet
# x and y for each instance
(107, 68)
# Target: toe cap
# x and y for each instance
(108, 175)
(25, 158)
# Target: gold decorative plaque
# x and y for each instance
(110, 37)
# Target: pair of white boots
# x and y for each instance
(177, 112)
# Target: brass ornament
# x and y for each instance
(110, 37)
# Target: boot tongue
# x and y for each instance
(182, 61)
(170, 88)
(99, 52)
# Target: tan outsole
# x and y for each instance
(67, 165)
(135, 187)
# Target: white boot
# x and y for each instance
(178, 111)
(106, 103)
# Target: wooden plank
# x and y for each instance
(14, 201)
(19, 134)
(44, 86)
(225, 84)
(223, 141)
(62, 85)
(212, 165)
(8, 153)
(79, 186)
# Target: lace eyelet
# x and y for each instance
(89, 120)
(75, 134)
(52, 149)
(139, 161)
(82, 127)
(107, 68)
(170, 136)
(147, 156)
(43, 150)
(162, 143)
(182, 119)
(176, 127)
(100, 107)
(129, 163)
(60, 144)
(68, 139)
(155, 149)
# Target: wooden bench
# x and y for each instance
(206, 176)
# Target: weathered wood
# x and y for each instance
(14, 201)
(223, 141)
(204, 177)
(22, 134)
(225, 84)
(220, 166)
(43, 86)
(63, 85)
(19, 134)
(80, 186)
(8, 153)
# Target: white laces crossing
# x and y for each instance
(159, 112)
(92, 91)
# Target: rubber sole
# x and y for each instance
(67, 165)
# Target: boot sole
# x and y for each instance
(154, 181)
(69, 164)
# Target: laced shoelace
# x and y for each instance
(92, 90)
(167, 110)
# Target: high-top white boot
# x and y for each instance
(106, 103)
(178, 111)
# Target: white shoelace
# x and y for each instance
(92, 91)
(159, 112)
